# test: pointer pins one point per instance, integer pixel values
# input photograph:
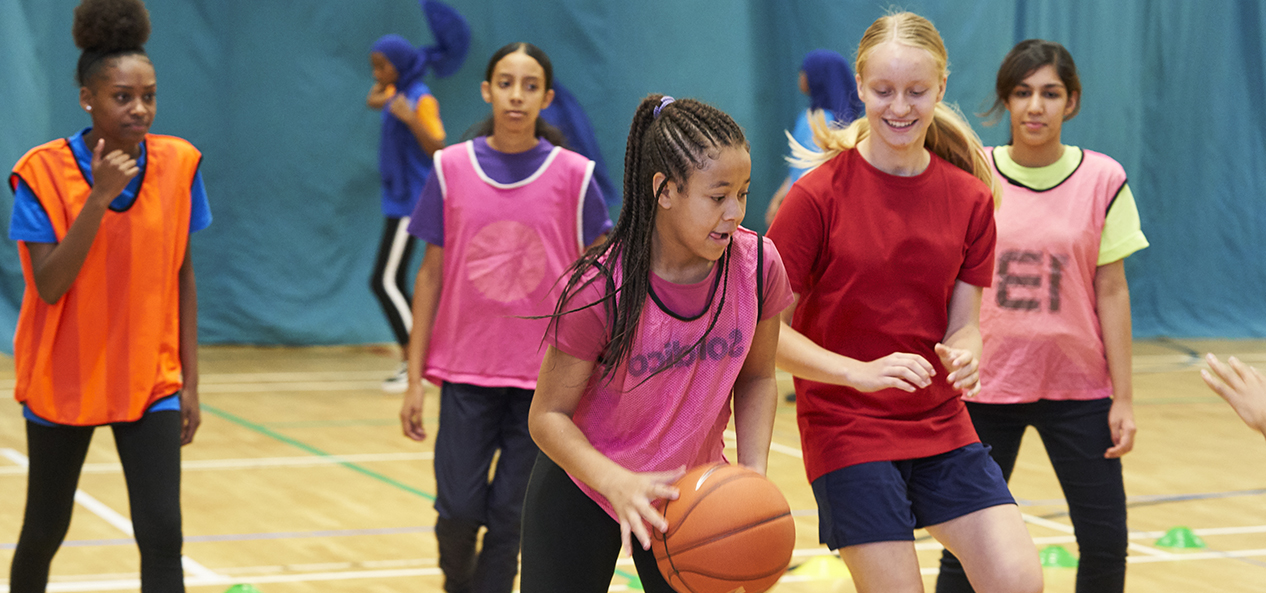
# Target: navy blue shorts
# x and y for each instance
(885, 501)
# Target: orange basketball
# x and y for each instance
(729, 530)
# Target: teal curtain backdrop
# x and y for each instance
(273, 93)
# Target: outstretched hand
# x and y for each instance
(633, 495)
(111, 173)
(899, 370)
(1240, 385)
(963, 367)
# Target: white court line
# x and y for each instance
(221, 580)
(111, 516)
(1208, 531)
(254, 463)
(1197, 556)
(289, 386)
(265, 387)
(285, 377)
(1068, 529)
(241, 576)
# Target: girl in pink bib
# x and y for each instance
(503, 216)
(1056, 322)
(658, 332)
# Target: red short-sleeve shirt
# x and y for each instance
(874, 258)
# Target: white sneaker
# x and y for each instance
(398, 382)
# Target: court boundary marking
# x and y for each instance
(329, 572)
(254, 463)
(112, 517)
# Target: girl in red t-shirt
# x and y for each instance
(888, 243)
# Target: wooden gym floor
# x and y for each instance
(299, 480)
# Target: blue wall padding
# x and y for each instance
(273, 93)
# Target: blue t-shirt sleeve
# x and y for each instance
(427, 221)
(29, 222)
(595, 219)
(200, 209)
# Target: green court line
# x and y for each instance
(315, 451)
(632, 578)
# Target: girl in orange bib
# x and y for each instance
(107, 333)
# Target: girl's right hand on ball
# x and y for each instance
(111, 173)
(900, 370)
(632, 495)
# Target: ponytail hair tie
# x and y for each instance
(662, 104)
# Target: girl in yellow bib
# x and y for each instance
(107, 333)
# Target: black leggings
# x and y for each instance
(150, 451)
(570, 543)
(390, 281)
(1075, 434)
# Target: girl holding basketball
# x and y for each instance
(503, 216)
(1056, 323)
(108, 331)
(887, 245)
(654, 331)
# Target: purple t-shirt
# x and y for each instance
(427, 222)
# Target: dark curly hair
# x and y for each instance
(105, 30)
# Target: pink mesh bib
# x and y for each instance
(1039, 324)
(658, 422)
(505, 247)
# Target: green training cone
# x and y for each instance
(1181, 537)
(1057, 557)
(242, 588)
(821, 568)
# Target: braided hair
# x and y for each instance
(675, 138)
(106, 30)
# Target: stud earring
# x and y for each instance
(88, 107)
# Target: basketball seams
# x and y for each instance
(699, 496)
(721, 536)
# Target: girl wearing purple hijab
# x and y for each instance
(411, 132)
(832, 89)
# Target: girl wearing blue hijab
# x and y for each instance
(827, 79)
(411, 132)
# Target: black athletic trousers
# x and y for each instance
(1075, 434)
(150, 451)
(570, 543)
(390, 281)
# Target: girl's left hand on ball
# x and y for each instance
(963, 367)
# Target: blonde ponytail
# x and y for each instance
(830, 141)
(952, 138)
